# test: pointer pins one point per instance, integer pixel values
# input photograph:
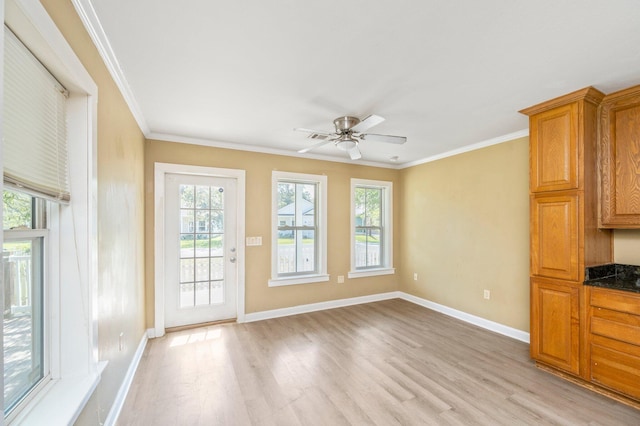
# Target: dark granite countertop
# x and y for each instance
(614, 276)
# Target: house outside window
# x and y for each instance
(299, 229)
(371, 228)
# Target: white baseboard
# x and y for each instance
(313, 307)
(472, 319)
(114, 412)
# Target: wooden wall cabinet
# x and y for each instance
(555, 236)
(555, 324)
(564, 233)
(620, 159)
(554, 152)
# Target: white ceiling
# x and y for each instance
(449, 75)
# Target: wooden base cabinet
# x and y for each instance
(555, 323)
(614, 340)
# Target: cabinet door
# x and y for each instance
(555, 235)
(554, 149)
(620, 159)
(555, 324)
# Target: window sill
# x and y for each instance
(64, 397)
(371, 272)
(302, 279)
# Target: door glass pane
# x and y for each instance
(217, 244)
(202, 269)
(187, 269)
(201, 245)
(23, 321)
(186, 295)
(217, 268)
(202, 293)
(217, 292)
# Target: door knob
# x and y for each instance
(232, 259)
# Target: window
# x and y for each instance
(299, 229)
(371, 228)
(52, 254)
(23, 259)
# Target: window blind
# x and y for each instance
(34, 124)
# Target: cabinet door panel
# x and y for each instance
(620, 159)
(554, 236)
(554, 151)
(555, 324)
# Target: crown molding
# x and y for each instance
(493, 141)
(263, 150)
(92, 24)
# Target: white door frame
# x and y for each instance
(160, 170)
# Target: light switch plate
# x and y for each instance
(254, 241)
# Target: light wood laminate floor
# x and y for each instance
(383, 363)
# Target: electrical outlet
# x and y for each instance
(415, 276)
(340, 279)
(487, 294)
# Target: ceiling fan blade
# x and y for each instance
(383, 138)
(314, 146)
(314, 134)
(367, 123)
(354, 153)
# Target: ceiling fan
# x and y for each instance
(349, 133)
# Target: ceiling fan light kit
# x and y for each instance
(349, 133)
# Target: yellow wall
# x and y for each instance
(465, 228)
(626, 246)
(120, 218)
(260, 297)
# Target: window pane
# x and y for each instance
(187, 196)
(202, 293)
(368, 247)
(187, 221)
(187, 270)
(202, 245)
(23, 319)
(217, 198)
(202, 197)
(217, 268)
(217, 292)
(359, 205)
(372, 206)
(217, 244)
(306, 252)
(186, 295)
(187, 245)
(286, 194)
(202, 269)
(286, 252)
(217, 221)
(16, 210)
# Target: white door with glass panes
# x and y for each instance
(200, 249)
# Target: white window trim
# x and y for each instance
(387, 208)
(322, 274)
(74, 364)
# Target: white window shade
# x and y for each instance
(35, 134)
